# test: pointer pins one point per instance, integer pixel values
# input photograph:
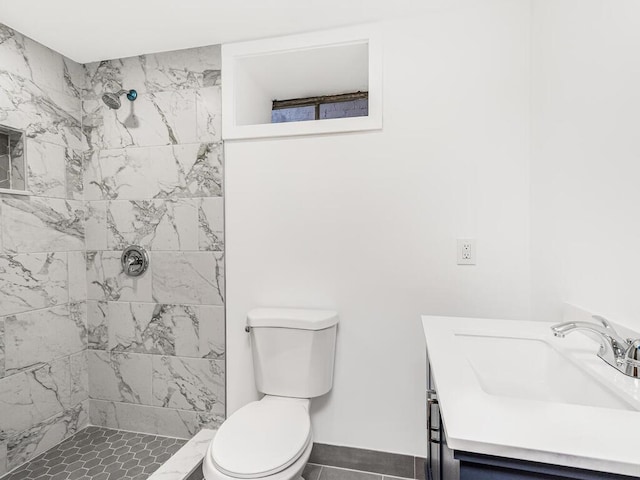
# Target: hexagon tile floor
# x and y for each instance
(97, 453)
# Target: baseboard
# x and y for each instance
(383, 463)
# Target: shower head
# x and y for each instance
(112, 100)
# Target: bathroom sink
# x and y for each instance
(510, 388)
(531, 368)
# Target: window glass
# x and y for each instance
(295, 114)
(353, 108)
(342, 105)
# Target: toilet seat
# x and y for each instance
(262, 438)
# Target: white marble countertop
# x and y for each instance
(581, 436)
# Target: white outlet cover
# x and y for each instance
(466, 251)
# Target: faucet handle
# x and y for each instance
(633, 352)
(605, 323)
(609, 326)
(631, 363)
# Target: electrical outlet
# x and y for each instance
(466, 251)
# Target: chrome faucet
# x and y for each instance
(622, 354)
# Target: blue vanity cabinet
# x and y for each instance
(445, 464)
(474, 466)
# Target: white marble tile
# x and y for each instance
(32, 396)
(12, 57)
(107, 281)
(160, 118)
(35, 224)
(46, 66)
(188, 277)
(155, 329)
(153, 224)
(22, 56)
(187, 459)
(74, 166)
(40, 438)
(3, 457)
(78, 314)
(158, 421)
(212, 332)
(92, 176)
(121, 173)
(209, 114)
(31, 281)
(103, 76)
(181, 69)
(1, 347)
(120, 377)
(74, 78)
(46, 164)
(77, 264)
(211, 224)
(46, 115)
(193, 170)
(188, 383)
(96, 225)
(191, 68)
(41, 336)
(207, 179)
(97, 325)
(79, 376)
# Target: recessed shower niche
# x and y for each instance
(13, 178)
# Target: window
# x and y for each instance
(320, 108)
(343, 61)
(12, 160)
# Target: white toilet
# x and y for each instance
(293, 355)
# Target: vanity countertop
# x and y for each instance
(596, 429)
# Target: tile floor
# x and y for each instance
(97, 453)
(320, 472)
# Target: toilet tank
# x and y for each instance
(293, 350)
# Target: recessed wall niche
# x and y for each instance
(13, 177)
(328, 63)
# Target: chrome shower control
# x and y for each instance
(135, 260)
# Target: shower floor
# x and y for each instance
(97, 453)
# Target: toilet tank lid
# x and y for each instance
(297, 318)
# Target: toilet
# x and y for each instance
(293, 355)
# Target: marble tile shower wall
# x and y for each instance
(153, 177)
(43, 337)
(79, 342)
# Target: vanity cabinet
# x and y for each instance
(445, 464)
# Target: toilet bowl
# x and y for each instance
(268, 439)
(271, 439)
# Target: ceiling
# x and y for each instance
(89, 30)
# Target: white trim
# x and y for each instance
(231, 53)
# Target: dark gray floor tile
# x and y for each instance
(331, 473)
(311, 472)
(364, 460)
(100, 454)
(197, 474)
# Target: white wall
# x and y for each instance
(366, 223)
(586, 157)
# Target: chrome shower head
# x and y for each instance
(112, 100)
